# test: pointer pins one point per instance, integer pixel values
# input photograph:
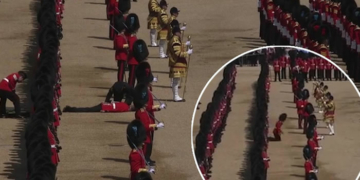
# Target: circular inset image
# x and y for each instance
(277, 112)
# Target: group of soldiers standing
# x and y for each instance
(164, 30)
(324, 26)
(131, 53)
(312, 67)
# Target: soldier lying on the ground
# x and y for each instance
(102, 107)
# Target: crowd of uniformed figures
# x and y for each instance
(132, 53)
(323, 26)
(213, 121)
(307, 121)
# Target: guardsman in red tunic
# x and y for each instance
(310, 170)
(300, 105)
(132, 24)
(337, 73)
(120, 10)
(112, 12)
(283, 67)
(141, 99)
(277, 130)
(328, 69)
(276, 65)
(312, 65)
(350, 48)
(121, 50)
(320, 68)
(305, 69)
(7, 91)
(312, 144)
(54, 148)
(136, 136)
(357, 45)
(266, 160)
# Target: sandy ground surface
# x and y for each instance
(94, 145)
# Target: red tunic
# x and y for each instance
(305, 66)
(131, 40)
(277, 129)
(321, 64)
(149, 107)
(146, 120)
(312, 145)
(312, 64)
(308, 167)
(112, 7)
(136, 163)
(315, 138)
(121, 53)
(56, 113)
(276, 66)
(115, 107)
(54, 154)
(300, 105)
(283, 62)
(9, 83)
(266, 162)
(328, 65)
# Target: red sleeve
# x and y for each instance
(144, 118)
(135, 162)
(119, 43)
(278, 125)
(308, 167)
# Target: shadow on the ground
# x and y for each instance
(96, 19)
(97, 37)
(105, 88)
(118, 122)
(101, 47)
(117, 160)
(114, 177)
(15, 167)
(161, 86)
(245, 171)
(106, 68)
(95, 3)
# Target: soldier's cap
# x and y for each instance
(163, 3)
(174, 10)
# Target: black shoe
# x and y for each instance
(150, 163)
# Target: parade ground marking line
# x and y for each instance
(358, 176)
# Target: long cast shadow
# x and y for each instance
(118, 122)
(117, 160)
(96, 19)
(245, 171)
(16, 167)
(97, 37)
(97, 3)
(106, 68)
(114, 177)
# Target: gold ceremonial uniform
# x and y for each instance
(169, 34)
(154, 10)
(163, 20)
(329, 114)
(177, 58)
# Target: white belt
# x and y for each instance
(6, 79)
(55, 109)
(209, 141)
(57, 13)
(113, 104)
(53, 146)
(358, 48)
(353, 44)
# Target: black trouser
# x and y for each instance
(321, 74)
(121, 70)
(148, 151)
(277, 75)
(96, 108)
(305, 75)
(337, 75)
(132, 79)
(283, 73)
(312, 74)
(328, 74)
(13, 97)
(290, 74)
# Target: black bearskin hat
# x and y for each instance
(23, 74)
(176, 29)
(331, 98)
(124, 6)
(309, 108)
(140, 50)
(163, 3)
(143, 73)
(312, 121)
(349, 12)
(328, 94)
(283, 117)
(143, 175)
(356, 17)
(315, 17)
(307, 152)
(119, 22)
(309, 133)
(306, 94)
(346, 4)
(303, 13)
(141, 95)
(132, 23)
(136, 133)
